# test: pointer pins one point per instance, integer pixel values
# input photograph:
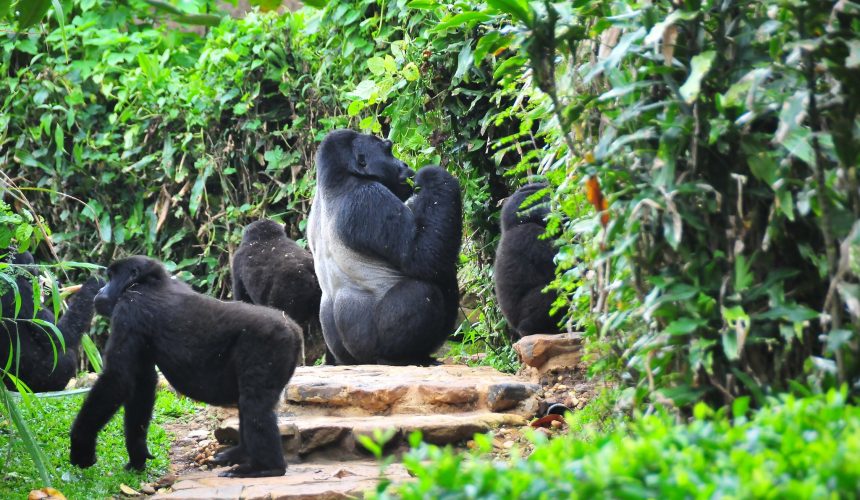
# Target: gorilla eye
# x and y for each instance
(362, 162)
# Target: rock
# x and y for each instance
(501, 397)
(537, 350)
(378, 390)
(198, 434)
(147, 489)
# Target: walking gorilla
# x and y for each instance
(387, 269)
(34, 346)
(524, 265)
(221, 353)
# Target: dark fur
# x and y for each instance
(221, 353)
(524, 265)
(34, 364)
(270, 269)
(388, 269)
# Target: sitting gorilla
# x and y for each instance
(524, 265)
(270, 269)
(34, 363)
(387, 269)
(221, 353)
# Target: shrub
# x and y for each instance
(791, 448)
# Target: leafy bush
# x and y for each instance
(718, 143)
(791, 448)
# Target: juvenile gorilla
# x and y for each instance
(33, 363)
(387, 269)
(221, 353)
(270, 269)
(524, 265)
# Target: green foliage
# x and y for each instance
(50, 420)
(167, 143)
(717, 144)
(791, 448)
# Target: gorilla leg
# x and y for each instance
(336, 351)
(354, 319)
(259, 434)
(411, 323)
(138, 413)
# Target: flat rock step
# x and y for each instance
(321, 480)
(315, 437)
(386, 390)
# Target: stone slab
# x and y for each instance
(338, 437)
(387, 390)
(321, 480)
(550, 352)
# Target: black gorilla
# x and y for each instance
(270, 269)
(221, 353)
(33, 363)
(524, 265)
(387, 269)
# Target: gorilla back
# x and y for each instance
(387, 269)
(221, 353)
(524, 265)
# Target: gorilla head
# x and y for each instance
(529, 213)
(367, 157)
(124, 275)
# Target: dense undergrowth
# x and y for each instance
(790, 448)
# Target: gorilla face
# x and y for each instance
(372, 159)
(367, 157)
(122, 275)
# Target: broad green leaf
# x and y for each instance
(422, 4)
(31, 12)
(468, 18)
(92, 353)
(355, 108)
(4, 7)
(376, 65)
(464, 60)
(699, 67)
(410, 72)
(516, 8)
(266, 5)
(317, 4)
(684, 326)
(105, 229)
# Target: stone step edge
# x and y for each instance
(304, 436)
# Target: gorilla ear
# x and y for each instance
(358, 166)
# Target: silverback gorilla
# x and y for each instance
(34, 346)
(387, 269)
(221, 353)
(524, 265)
(270, 269)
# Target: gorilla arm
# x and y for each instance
(128, 378)
(414, 237)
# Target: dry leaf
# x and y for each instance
(548, 420)
(46, 493)
(127, 490)
(669, 37)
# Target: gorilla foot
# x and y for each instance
(230, 456)
(247, 470)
